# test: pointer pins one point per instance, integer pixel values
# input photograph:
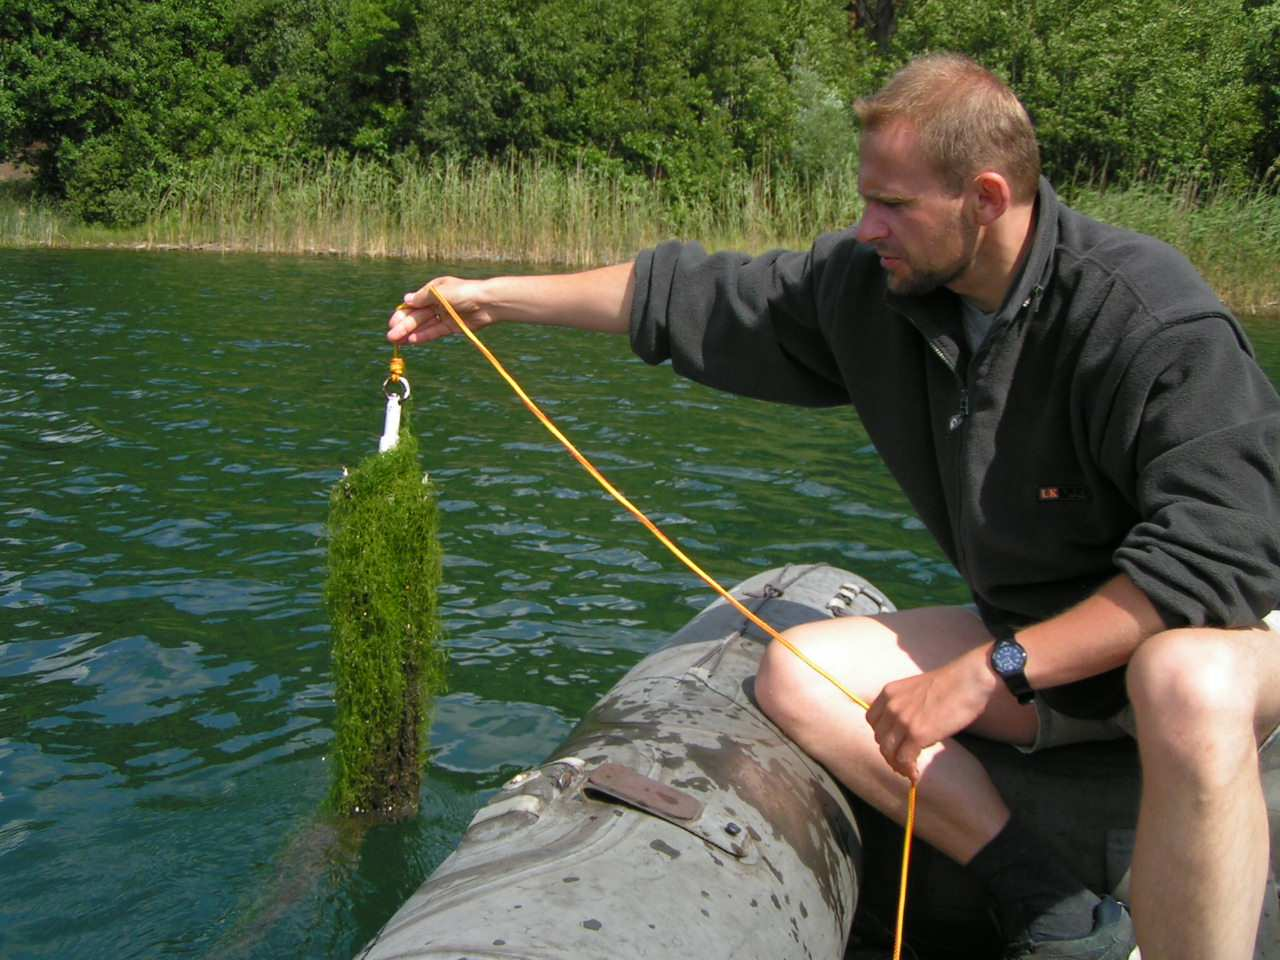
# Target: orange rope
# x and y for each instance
(702, 574)
(908, 831)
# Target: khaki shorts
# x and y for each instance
(1058, 729)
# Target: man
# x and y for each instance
(1081, 425)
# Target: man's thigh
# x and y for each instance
(867, 653)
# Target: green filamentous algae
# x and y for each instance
(381, 596)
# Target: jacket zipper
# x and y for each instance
(958, 418)
(955, 423)
(961, 414)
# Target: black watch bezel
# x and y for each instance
(1009, 661)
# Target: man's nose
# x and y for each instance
(870, 228)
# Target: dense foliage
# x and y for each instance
(113, 100)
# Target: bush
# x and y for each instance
(107, 182)
(117, 98)
(1116, 87)
(1263, 72)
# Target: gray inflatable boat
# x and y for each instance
(677, 822)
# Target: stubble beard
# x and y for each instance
(932, 276)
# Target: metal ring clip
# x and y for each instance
(388, 393)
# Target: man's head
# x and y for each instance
(966, 119)
(949, 171)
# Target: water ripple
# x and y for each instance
(165, 685)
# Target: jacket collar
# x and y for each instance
(1032, 281)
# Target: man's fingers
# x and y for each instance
(422, 317)
(411, 324)
(403, 323)
(424, 296)
(890, 742)
(875, 710)
(900, 752)
(905, 759)
(902, 760)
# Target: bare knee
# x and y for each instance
(1197, 674)
(776, 684)
(783, 688)
(1194, 701)
(790, 692)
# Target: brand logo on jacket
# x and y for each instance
(1062, 493)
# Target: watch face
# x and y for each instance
(1008, 657)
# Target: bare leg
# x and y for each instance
(1203, 699)
(959, 809)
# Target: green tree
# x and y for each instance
(1118, 86)
(115, 99)
(679, 89)
(111, 93)
(1263, 70)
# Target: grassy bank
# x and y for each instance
(536, 212)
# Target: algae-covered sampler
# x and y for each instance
(381, 595)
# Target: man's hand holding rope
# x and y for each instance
(914, 713)
(421, 318)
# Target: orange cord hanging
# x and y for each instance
(698, 571)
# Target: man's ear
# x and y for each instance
(993, 197)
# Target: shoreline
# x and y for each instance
(1253, 308)
(534, 215)
(336, 253)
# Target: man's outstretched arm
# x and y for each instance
(597, 300)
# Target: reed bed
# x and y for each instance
(520, 209)
(532, 210)
(525, 210)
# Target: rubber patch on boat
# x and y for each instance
(622, 783)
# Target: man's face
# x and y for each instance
(926, 235)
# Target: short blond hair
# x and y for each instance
(967, 118)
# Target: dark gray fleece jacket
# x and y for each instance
(1113, 420)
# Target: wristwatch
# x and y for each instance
(1009, 661)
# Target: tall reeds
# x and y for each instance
(534, 210)
(525, 209)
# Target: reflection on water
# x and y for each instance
(170, 426)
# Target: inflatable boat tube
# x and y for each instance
(676, 821)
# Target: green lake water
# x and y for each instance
(170, 427)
